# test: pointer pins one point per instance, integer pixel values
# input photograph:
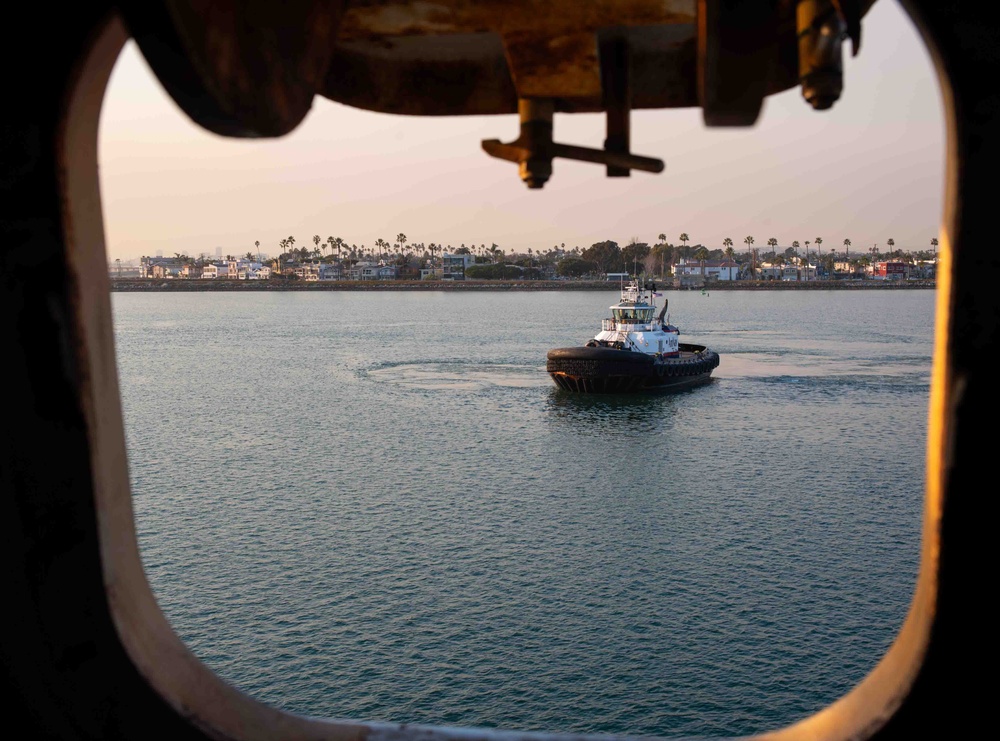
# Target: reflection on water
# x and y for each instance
(617, 414)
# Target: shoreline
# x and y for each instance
(224, 285)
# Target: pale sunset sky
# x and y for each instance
(868, 170)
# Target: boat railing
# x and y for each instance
(614, 325)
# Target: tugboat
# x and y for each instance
(634, 351)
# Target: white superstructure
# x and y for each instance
(635, 325)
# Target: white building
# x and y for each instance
(453, 266)
(710, 269)
(216, 270)
(245, 269)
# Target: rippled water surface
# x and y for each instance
(376, 505)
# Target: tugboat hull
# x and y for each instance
(603, 370)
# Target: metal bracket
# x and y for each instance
(534, 149)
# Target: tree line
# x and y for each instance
(601, 257)
(636, 256)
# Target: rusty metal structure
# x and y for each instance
(464, 57)
(84, 650)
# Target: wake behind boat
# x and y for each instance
(634, 351)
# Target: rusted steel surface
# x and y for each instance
(554, 66)
(461, 74)
(238, 67)
(251, 68)
(736, 50)
(549, 49)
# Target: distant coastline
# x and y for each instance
(138, 285)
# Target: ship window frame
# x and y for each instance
(209, 705)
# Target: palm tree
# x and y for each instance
(661, 236)
(847, 249)
(891, 242)
(730, 252)
(283, 244)
(772, 243)
(684, 238)
(316, 240)
(934, 244)
(401, 240)
(257, 245)
(748, 241)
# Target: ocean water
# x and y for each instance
(377, 506)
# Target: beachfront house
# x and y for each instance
(453, 266)
(160, 267)
(710, 270)
(216, 270)
(328, 271)
(891, 270)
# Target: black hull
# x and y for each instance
(602, 370)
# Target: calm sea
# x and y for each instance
(377, 506)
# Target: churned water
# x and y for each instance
(377, 506)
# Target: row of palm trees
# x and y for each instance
(818, 241)
(773, 243)
(401, 251)
(397, 251)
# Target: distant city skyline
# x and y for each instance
(868, 170)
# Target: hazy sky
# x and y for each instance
(869, 169)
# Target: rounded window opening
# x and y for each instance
(374, 505)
